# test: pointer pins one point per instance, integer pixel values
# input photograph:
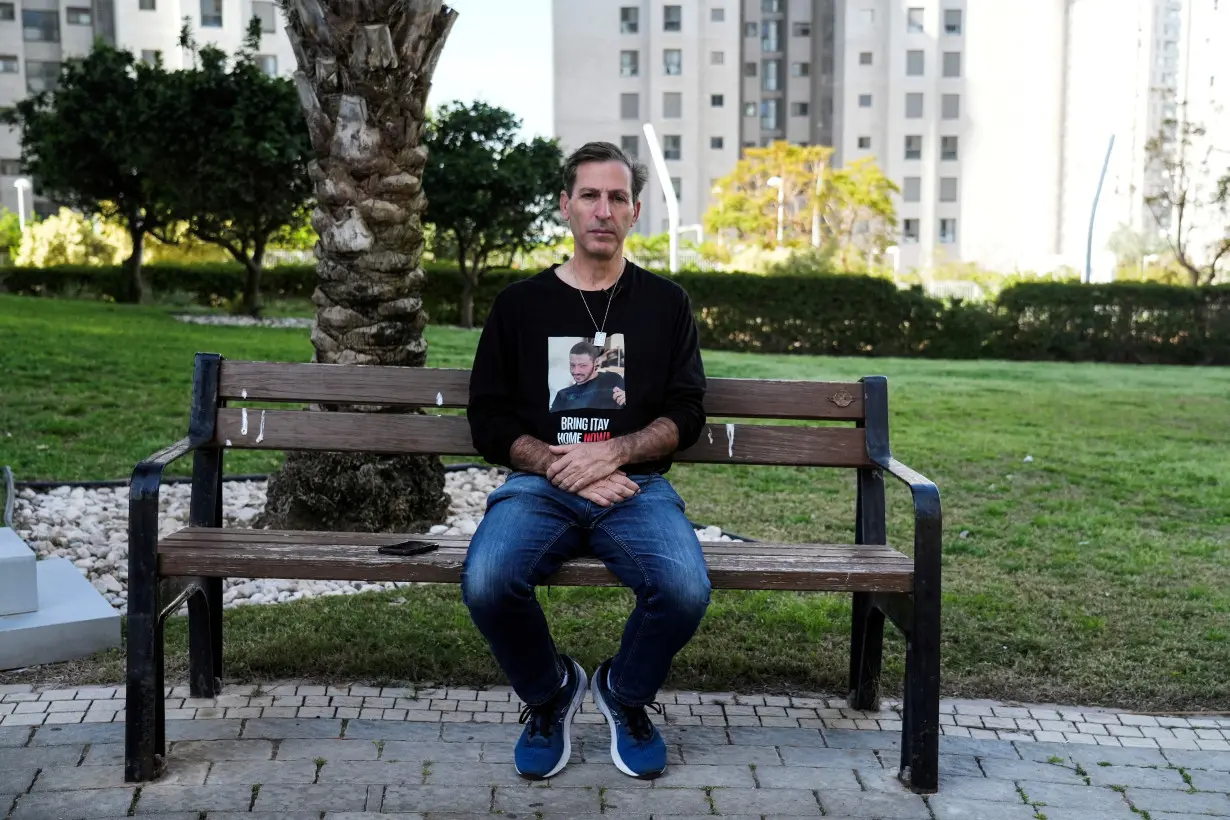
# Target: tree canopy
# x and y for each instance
(489, 194)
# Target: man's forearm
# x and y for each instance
(529, 455)
(656, 440)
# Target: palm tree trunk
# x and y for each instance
(364, 71)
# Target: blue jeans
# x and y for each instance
(531, 528)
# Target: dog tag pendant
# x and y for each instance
(599, 339)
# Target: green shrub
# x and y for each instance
(836, 315)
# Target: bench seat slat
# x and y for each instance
(352, 556)
(450, 435)
(445, 387)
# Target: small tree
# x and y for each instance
(1190, 203)
(241, 134)
(860, 215)
(90, 143)
(488, 194)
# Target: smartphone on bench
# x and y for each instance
(406, 548)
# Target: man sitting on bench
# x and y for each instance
(587, 378)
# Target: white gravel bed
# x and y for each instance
(90, 528)
(243, 321)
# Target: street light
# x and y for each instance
(894, 253)
(776, 182)
(668, 191)
(22, 185)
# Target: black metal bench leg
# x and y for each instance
(866, 653)
(202, 673)
(205, 607)
(920, 738)
(144, 741)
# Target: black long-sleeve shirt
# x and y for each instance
(538, 373)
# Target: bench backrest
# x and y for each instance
(222, 386)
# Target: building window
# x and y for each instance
(798, 109)
(672, 105)
(629, 20)
(717, 58)
(867, 18)
(211, 13)
(8, 12)
(147, 5)
(630, 144)
(771, 35)
(909, 231)
(951, 107)
(952, 64)
(914, 21)
(864, 101)
(717, 15)
(769, 115)
(802, 29)
(913, 146)
(771, 6)
(10, 168)
(9, 64)
(948, 231)
(677, 185)
(952, 21)
(864, 58)
(749, 109)
(672, 146)
(629, 63)
(800, 69)
(716, 100)
(913, 105)
(149, 57)
(911, 189)
(41, 75)
(268, 64)
(864, 143)
(40, 26)
(77, 16)
(914, 63)
(672, 18)
(948, 189)
(630, 106)
(751, 30)
(672, 60)
(265, 12)
(772, 75)
(948, 148)
(749, 69)
(716, 143)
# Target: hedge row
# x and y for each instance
(834, 315)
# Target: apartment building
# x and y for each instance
(36, 36)
(993, 116)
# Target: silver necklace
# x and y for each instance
(600, 332)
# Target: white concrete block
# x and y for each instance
(73, 620)
(18, 584)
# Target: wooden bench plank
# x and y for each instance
(450, 435)
(330, 556)
(447, 387)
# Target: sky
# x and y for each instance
(499, 51)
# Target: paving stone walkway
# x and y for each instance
(292, 751)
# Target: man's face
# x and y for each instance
(600, 212)
(581, 367)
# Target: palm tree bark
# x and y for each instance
(364, 72)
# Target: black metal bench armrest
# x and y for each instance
(143, 490)
(928, 517)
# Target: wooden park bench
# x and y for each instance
(188, 566)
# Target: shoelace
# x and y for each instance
(539, 718)
(638, 722)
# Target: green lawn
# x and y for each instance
(1097, 573)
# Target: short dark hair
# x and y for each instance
(604, 152)
(585, 349)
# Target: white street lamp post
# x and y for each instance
(22, 185)
(776, 182)
(668, 191)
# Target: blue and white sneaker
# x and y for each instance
(545, 745)
(636, 746)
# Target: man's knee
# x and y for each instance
(685, 597)
(488, 586)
